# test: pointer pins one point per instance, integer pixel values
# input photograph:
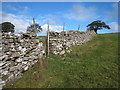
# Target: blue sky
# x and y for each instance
(70, 13)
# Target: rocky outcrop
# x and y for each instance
(61, 41)
(18, 53)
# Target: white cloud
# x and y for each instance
(20, 22)
(81, 13)
(19, 10)
(56, 28)
(114, 26)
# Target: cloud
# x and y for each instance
(81, 13)
(55, 28)
(53, 21)
(21, 22)
(19, 18)
(114, 26)
(16, 8)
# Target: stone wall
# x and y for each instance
(21, 51)
(61, 41)
(18, 53)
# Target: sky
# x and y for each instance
(58, 13)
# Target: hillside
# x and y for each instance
(93, 65)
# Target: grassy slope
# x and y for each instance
(93, 65)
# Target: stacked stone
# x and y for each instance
(61, 41)
(19, 53)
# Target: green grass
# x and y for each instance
(93, 65)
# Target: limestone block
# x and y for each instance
(10, 40)
(68, 51)
(36, 41)
(8, 53)
(40, 45)
(6, 65)
(2, 83)
(22, 41)
(24, 62)
(55, 52)
(14, 68)
(11, 77)
(62, 52)
(15, 54)
(23, 50)
(4, 72)
(19, 60)
(2, 63)
(13, 49)
(20, 48)
(26, 68)
(3, 57)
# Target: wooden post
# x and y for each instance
(78, 27)
(63, 27)
(48, 39)
(34, 25)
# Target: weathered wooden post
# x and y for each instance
(63, 27)
(78, 27)
(34, 25)
(48, 39)
(63, 30)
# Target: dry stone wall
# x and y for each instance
(18, 53)
(61, 41)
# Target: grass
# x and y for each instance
(93, 65)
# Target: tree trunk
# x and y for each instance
(95, 31)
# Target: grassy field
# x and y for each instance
(93, 65)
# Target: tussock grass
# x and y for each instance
(93, 65)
